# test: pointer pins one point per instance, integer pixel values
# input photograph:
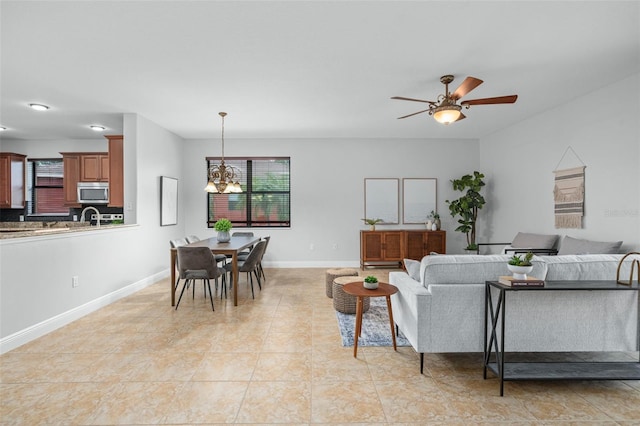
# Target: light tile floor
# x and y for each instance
(275, 359)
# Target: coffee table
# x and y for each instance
(357, 289)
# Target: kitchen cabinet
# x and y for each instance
(390, 248)
(70, 178)
(94, 167)
(381, 248)
(12, 180)
(116, 170)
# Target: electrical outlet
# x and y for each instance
(74, 281)
(335, 246)
(311, 246)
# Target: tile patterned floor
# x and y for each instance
(275, 359)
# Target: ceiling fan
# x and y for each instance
(446, 110)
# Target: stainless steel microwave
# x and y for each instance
(93, 192)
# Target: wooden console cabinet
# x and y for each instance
(389, 248)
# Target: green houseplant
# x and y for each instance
(370, 282)
(467, 206)
(223, 226)
(372, 222)
(520, 266)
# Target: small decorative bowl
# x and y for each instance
(520, 272)
(370, 286)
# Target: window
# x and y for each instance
(45, 193)
(265, 200)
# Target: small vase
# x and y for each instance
(438, 224)
(223, 236)
(429, 225)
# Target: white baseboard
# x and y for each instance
(28, 334)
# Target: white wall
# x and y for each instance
(36, 295)
(327, 189)
(519, 163)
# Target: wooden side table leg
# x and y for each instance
(358, 326)
(393, 332)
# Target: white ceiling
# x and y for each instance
(302, 69)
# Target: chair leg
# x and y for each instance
(184, 287)
(250, 279)
(257, 274)
(206, 280)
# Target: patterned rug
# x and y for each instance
(375, 326)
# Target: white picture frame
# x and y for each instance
(381, 199)
(419, 198)
(168, 201)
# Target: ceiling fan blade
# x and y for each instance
(467, 85)
(415, 113)
(488, 101)
(411, 99)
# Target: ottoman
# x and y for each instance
(346, 303)
(332, 274)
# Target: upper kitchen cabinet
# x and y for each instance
(12, 178)
(94, 167)
(116, 170)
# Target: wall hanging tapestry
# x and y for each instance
(568, 195)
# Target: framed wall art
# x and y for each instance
(381, 199)
(419, 198)
(168, 201)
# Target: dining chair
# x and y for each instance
(249, 265)
(198, 263)
(220, 258)
(175, 244)
(266, 238)
(242, 255)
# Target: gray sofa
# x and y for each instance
(440, 306)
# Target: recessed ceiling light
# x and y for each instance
(97, 128)
(39, 107)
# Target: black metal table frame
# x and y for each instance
(535, 371)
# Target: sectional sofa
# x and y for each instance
(440, 305)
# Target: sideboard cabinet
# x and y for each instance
(390, 248)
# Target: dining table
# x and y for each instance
(231, 248)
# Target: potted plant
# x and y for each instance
(370, 282)
(520, 266)
(372, 222)
(467, 205)
(436, 221)
(223, 226)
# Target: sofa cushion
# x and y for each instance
(577, 246)
(470, 269)
(535, 241)
(584, 267)
(413, 268)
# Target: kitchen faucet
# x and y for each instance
(90, 208)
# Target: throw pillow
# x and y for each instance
(576, 246)
(413, 269)
(535, 241)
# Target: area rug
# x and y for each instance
(375, 326)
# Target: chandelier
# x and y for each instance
(220, 176)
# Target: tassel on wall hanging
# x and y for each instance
(568, 194)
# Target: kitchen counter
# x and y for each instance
(33, 229)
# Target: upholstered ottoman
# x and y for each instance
(344, 302)
(332, 274)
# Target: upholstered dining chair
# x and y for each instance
(266, 238)
(198, 263)
(242, 255)
(220, 258)
(175, 244)
(249, 265)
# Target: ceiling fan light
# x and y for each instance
(447, 114)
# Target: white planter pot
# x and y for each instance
(520, 272)
(370, 286)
